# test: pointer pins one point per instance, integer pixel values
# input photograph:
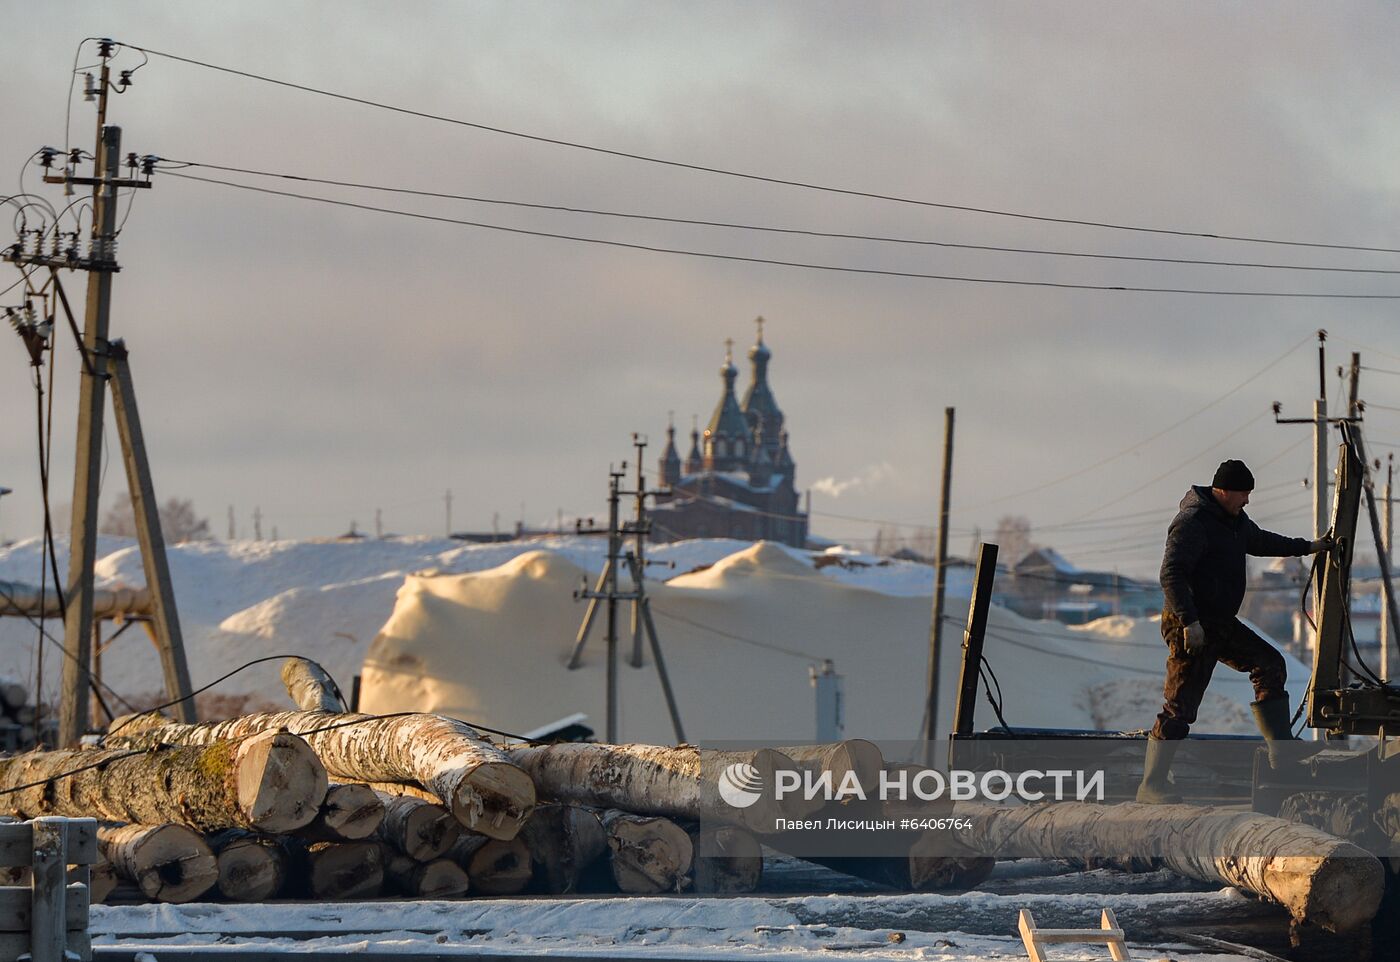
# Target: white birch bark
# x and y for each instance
(484, 790)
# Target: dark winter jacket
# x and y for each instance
(1203, 569)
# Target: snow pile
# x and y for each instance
(483, 631)
(738, 639)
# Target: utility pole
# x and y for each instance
(1320, 472)
(104, 361)
(257, 523)
(447, 499)
(607, 590)
(639, 507)
(940, 583)
(378, 523)
(1353, 377)
(232, 532)
(1319, 422)
(614, 558)
(1389, 533)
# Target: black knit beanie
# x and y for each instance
(1233, 476)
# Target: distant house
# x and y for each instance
(1046, 585)
(738, 479)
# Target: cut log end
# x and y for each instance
(168, 863)
(439, 879)
(343, 870)
(1340, 893)
(494, 800)
(281, 783)
(649, 855)
(251, 869)
(420, 829)
(500, 867)
(728, 860)
(350, 812)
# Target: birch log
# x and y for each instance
(648, 854)
(310, 687)
(441, 878)
(494, 866)
(854, 758)
(680, 782)
(102, 878)
(419, 829)
(252, 868)
(1317, 877)
(564, 840)
(350, 812)
(727, 860)
(270, 782)
(168, 863)
(483, 789)
(339, 870)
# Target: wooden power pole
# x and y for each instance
(940, 584)
(105, 361)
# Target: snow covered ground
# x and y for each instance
(970, 927)
(472, 608)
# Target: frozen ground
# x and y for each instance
(956, 928)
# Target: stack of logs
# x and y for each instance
(325, 804)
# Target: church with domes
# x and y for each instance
(738, 479)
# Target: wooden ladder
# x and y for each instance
(1107, 933)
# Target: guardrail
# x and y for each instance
(46, 920)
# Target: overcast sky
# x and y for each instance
(320, 362)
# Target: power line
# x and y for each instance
(804, 265)
(1147, 440)
(786, 182)
(764, 228)
(1010, 282)
(794, 652)
(1168, 473)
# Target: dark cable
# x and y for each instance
(792, 231)
(748, 176)
(1013, 282)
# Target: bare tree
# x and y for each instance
(1013, 537)
(887, 541)
(178, 521)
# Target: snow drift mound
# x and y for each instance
(738, 638)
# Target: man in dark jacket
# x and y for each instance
(1203, 581)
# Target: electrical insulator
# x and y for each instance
(29, 318)
(104, 47)
(46, 157)
(126, 79)
(148, 164)
(89, 88)
(131, 161)
(75, 157)
(104, 250)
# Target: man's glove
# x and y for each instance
(1195, 638)
(1325, 543)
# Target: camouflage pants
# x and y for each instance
(1227, 641)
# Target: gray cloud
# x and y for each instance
(320, 362)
